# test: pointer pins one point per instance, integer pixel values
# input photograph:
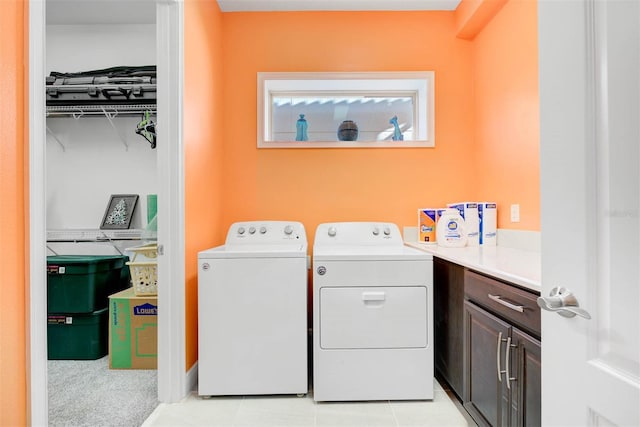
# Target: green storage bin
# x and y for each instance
(83, 283)
(74, 336)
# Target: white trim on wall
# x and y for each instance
(36, 288)
(327, 88)
(173, 381)
(172, 372)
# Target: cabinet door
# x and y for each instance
(526, 386)
(485, 396)
(448, 294)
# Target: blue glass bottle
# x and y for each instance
(301, 129)
(397, 135)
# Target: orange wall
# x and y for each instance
(235, 181)
(473, 15)
(203, 148)
(505, 57)
(320, 185)
(13, 263)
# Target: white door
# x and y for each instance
(589, 54)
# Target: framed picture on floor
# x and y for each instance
(119, 211)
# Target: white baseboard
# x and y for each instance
(192, 379)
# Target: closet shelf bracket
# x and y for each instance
(53, 135)
(110, 115)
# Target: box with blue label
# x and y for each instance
(469, 212)
(133, 331)
(488, 213)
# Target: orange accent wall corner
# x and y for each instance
(13, 262)
(473, 15)
(507, 127)
(203, 149)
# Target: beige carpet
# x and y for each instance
(88, 393)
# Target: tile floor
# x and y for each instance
(283, 411)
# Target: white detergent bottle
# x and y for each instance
(450, 230)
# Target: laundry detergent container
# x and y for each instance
(83, 283)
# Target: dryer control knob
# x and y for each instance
(241, 230)
(288, 230)
(332, 231)
(387, 231)
(376, 231)
(263, 230)
(252, 230)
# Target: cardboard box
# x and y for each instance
(488, 212)
(133, 331)
(427, 225)
(469, 212)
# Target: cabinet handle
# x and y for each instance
(508, 376)
(499, 300)
(506, 362)
(498, 348)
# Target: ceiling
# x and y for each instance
(143, 11)
(345, 5)
(90, 12)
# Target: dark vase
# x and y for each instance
(348, 131)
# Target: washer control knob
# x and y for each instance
(322, 270)
(387, 231)
(263, 230)
(205, 266)
(241, 230)
(376, 231)
(288, 230)
(332, 231)
(252, 230)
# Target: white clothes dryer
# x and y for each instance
(252, 311)
(372, 315)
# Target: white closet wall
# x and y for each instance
(95, 162)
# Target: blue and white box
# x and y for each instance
(488, 213)
(469, 212)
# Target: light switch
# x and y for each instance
(515, 213)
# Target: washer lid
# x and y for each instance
(255, 251)
(368, 253)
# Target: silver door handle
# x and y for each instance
(563, 302)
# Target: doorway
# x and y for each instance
(172, 380)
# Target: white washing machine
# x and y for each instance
(372, 315)
(252, 311)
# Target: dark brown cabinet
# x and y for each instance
(484, 396)
(448, 296)
(502, 353)
(527, 388)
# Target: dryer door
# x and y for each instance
(373, 317)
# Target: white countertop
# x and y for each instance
(517, 266)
